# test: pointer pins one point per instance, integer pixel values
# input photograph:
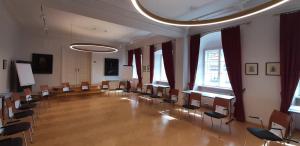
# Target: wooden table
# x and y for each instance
(230, 98)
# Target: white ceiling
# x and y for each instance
(77, 26)
(117, 20)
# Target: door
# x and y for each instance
(76, 66)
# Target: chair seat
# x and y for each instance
(215, 115)
(155, 96)
(169, 101)
(34, 100)
(11, 142)
(27, 106)
(16, 128)
(23, 114)
(264, 134)
(192, 107)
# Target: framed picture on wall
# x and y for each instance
(251, 68)
(4, 64)
(111, 67)
(273, 69)
(42, 63)
(144, 68)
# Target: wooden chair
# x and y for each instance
(85, 86)
(277, 131)
(121, 87)
(14, 114)
(149, 90)
(45, 93)
(18, 105)
(194, 103)
(139, 88)
(172, 98)
(13, 128)
(105, 87)
(220, 111)
(29, 97)
(159, 93)
(66, 88)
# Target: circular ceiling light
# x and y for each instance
(239, 15)
(93, 48)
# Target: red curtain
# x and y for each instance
(194, 55)
(152, 49)
(231, 42)
(289, 57)
(167, 53)
(137, 54)
(130, 57)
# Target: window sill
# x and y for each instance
(214, 87)
(294, 109)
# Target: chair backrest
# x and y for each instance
(195, 99)
(85, 83)
(44, 88)
(16, 99)
(149, 89)
(10, 108)
(282, 119)
(122, 85)
(66, 84)
(105, 84)
(221, 105)
(173, 94)
(160, 91)
(27, 91)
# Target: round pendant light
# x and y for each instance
(93, 48)
(239, 15)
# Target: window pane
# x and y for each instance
(134, 71)
(163, 76)
(224, 80)
(215, 72)
(211, 68)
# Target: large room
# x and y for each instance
(149, 72)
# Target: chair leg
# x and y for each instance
(33, 120)
(221, 123)
(24, 137)
(212, 122)
(30, 134)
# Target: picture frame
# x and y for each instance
(4, 64)
(42, 63)
(111, 67)
(251, 68)
(144, 68)
(148, 68)
(272, 68)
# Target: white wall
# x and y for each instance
(98, 65)
(260, 44)
(9, 42)
(32, 43)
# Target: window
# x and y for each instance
(134, 70)
(211, 69)
(296, 100)
(159, 67)
(215, 73)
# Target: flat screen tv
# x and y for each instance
(111, 67)
(42, 63)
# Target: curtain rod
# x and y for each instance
(287, 12)
(219, 29)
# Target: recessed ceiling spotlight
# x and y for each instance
(93, 48)
(236, 16)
